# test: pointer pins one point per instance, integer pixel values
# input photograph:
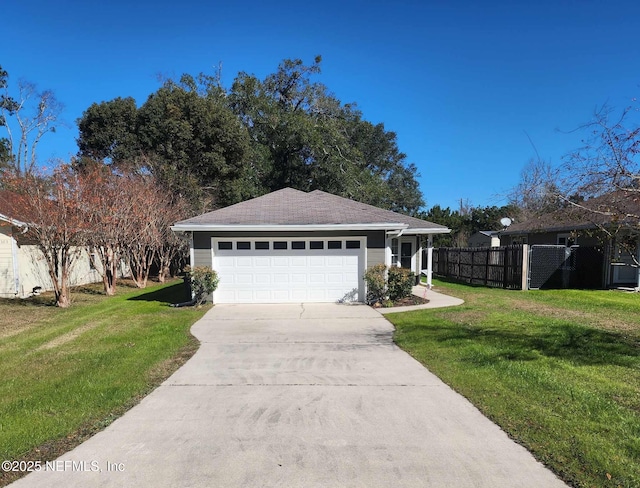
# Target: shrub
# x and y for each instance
(204, 282)
(400, 282)
(376, 283)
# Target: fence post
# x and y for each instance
(525, 266)
(486, 267)
(473, 258)
(429, 260)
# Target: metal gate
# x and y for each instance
(566, 267)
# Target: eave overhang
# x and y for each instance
(393, 227)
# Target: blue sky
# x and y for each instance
(464, 84)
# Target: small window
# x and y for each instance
(298, 245)
(262, 245)
(353, 245)
(223, 246)
(280, 245)
(334, 245)
(243, 246)
(316, 245)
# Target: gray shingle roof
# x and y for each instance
(294, 207)
(621, 209)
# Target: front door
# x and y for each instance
(405, 255)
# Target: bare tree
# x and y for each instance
(108, 210)
(172, 245)
(605, 173)
(34, 114)
(54, 211)
(152, 211)
(538, 190)
(608, 160)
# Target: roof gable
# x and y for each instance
(289, 207)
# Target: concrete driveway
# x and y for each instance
(312, 395)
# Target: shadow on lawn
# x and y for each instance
(171, 294)
(578, 344)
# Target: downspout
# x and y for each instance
(192, 252)
(16, 264)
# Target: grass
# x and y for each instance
(558, 370)
(67, 373)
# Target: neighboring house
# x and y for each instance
(23, 269)
(293, 246)
(610, 221)
(485, 238)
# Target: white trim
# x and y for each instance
(15, 222)
(429, 261)
(427, 231)
(391, 227)
(192, 252)
(284, 227)
(387, 250)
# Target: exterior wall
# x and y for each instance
(34, 271)
(623, 270)
(7, 279)
(375, 256)
(479, 240)
(202, 242)
(32, 267)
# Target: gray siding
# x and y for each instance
(375, 256)
(202, 249)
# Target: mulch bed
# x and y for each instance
(405, 302)
(412, 300)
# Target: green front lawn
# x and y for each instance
(67, 373)
(558, 370)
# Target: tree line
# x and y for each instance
(216, 146)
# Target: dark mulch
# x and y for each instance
(403, 302)
(412, 300)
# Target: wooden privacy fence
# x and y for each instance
(499, 267)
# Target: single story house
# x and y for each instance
(294, 246)
(23, 269)
(611, 221)
(485, 238)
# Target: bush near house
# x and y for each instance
(400, 282)
(376, 284)
(387, 285)
(204, 281)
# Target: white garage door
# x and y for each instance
(289, 270)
